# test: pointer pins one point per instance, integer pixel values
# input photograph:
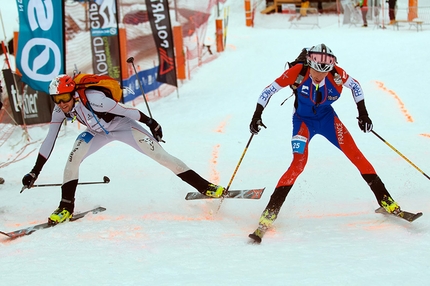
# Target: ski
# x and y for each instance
(255, 237)
(410, 217)
(29, 230)
(253, 194)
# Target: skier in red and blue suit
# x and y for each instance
(316, 90)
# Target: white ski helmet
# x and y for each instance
(321, 58)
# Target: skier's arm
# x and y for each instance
(262, 101)
(364, 122)
(286, 79)
(355, 87)
(101, 103)
(46, 147)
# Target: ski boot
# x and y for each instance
(266, 221)
(59, 215)
(390, 205)
(214, 191)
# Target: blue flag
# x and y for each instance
(40, 54)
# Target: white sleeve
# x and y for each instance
(355, 87)
(101, 103)
(267, 93)
(54, 127)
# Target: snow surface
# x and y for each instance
(327, 232)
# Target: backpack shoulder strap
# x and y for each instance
(333, 71)
(300, 77)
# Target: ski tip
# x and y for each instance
(194, 196)
(417, 215)
(408, 216)
(4, 233)
(254, 239)
(12, 235)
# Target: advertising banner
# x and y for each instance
(28, 106)
(40, 53)
(159, 18)
(148, 80)
(104, 38)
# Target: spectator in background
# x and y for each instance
(1, 105)
(392, 10)
(363, 6)
(1, 94)
(320, 7)
(303, 8)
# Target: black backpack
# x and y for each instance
(301, 59)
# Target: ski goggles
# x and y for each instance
(322, 58)
(62, 98)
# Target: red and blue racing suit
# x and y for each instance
(314, 114)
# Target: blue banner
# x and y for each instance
(148, 80)
(40, 54)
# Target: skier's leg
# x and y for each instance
(86, 144)
(142, 141)
(344, 141)
(300, 142)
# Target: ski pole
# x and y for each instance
(287, 98)
(235, 170)
(131, 61)
(401, 155)
(240, 161)
(106, 180)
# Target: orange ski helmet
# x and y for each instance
(62, 84)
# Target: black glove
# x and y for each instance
(29, 179)
(254, 127)
(155, 128)
(364, 121)
(256, 121)
(153, 125)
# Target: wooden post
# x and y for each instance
(123, 52)
(15, 49)
(248, 13)
(219, 35)
(178, 41)
(413, 10)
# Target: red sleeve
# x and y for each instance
(289, 76)
(343, 75)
